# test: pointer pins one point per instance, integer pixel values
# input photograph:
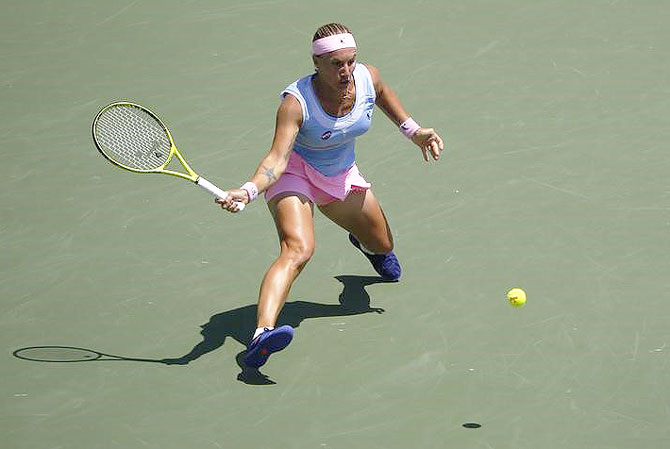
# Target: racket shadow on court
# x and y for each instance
(239, 323)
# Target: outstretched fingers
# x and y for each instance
(432, 144)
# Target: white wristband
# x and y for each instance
(409, 127)
(251, 189)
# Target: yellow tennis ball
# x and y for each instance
(516, 297)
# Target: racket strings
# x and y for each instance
(130, 136)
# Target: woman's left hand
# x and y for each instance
(430, 143)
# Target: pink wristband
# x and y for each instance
(409, 127)
(251, 189)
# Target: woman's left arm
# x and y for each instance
(427, 139)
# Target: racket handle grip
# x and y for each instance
(214, 190)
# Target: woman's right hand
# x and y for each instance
(234, 196)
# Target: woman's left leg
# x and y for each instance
(361, 215)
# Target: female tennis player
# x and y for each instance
(311, 161)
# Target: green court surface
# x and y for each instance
(555, 179)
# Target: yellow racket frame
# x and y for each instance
(190, 174)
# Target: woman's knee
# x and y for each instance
(298, 251)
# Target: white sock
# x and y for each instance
(367, 251)
(260, 330)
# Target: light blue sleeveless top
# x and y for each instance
(326, 142)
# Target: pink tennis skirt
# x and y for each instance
(302, 178)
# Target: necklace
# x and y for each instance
(340, 102)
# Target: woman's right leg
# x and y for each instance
(293, 215)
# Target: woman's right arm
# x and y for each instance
(272, 166)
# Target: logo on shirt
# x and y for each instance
(326, 135)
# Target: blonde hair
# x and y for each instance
(330, 29)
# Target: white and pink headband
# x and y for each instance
(333, 43)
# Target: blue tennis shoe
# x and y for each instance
(271, 340)
(386, 265)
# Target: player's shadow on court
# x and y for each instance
(240, 323)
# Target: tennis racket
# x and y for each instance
(65, 354)
(132, 137)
